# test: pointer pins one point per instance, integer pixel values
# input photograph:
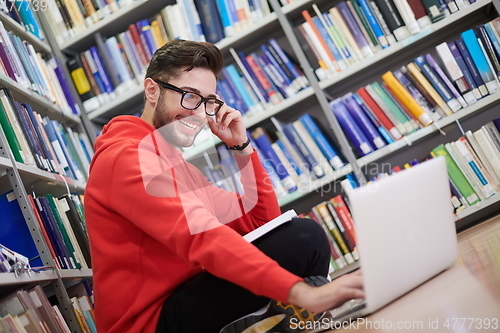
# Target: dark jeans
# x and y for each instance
(207, 303)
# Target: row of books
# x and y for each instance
(68, 18)
(355, 30)
(23, 13)
(335, 218)
(41, 142)
(422, 92)
(268, 76)
(200, 20)
(30, 310)
(63, 227)
(294, 156)
(20, 62)
(473, 163)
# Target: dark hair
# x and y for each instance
(183, 55)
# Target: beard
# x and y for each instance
(168, 126)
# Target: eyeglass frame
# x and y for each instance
(203, 100)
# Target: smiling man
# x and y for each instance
(167, 247)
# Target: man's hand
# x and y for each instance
(328, 296)
(228, 126)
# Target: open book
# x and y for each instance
(262, 230)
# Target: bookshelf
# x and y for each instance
(282, 19)
(23, 179)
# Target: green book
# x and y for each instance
(364, 22)
(393, 107)
(10, 135)
(64, 231)
(457, 177)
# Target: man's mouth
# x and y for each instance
(188, 124)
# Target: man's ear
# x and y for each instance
(151, 91)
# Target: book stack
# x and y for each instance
(22, 13)
(473, 164)
(22, 64)
(68, 18)
(29, 310)
(355, 30)
(335, 218)
(62, 224)
(423, 91)
(41, 142)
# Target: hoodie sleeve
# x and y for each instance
(175, 212)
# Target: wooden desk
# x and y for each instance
(470, 289)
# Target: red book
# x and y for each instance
(378, 113)
(44, 232)
(261, 76)
(136, 38)
(344, 215)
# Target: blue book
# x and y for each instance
(231, 73)
(350, 128)
(368, 113)
(87, 55)
(288, 63)
(114, 51)
(296, 82)
(493, 37)
(260, 137)
(253, 77)
(287, 79)
(233, 15)
(275, 180)
(415, 93)
(144, 28)
(29, 20)
(58, 130)
(224, 17)
(230, 96)
(363, 121)
(329, 42)
(63, 81)
(471, 66)
(289, 157)
(276, 80)
(436, 82)
(210, 20)
(54, 233)
(324, 145)
(103, 74)
(372, 21)
(353, 27)
(479, 58)
(38, 133)
(57, 146)
(14, 233)
(302, 150)
(228, 162)
(465, 70)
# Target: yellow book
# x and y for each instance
(415, 72)
(158, 37)
(406, 98)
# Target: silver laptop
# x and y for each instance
(405, 234)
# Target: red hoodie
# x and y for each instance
(154, 221)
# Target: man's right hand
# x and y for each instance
(327, 296)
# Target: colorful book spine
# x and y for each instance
(353, 27)
(350, 128)
(479, 58)
(330, 153)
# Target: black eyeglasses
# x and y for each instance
(191, 100)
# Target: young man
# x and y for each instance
(167, 247)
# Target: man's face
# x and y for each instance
(177, 125)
